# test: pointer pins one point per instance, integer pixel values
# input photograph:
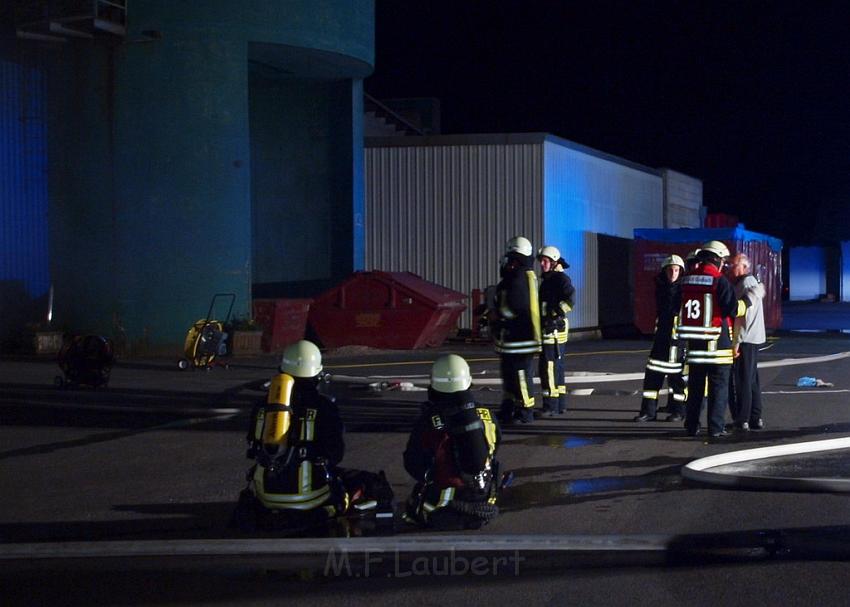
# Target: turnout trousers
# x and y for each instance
(717, 377)
(551, 372)
(517, 384)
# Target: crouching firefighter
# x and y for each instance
(451, 453)
(296, 442)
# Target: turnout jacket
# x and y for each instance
(668, 300)
(557, 297)
(517, 323)
(706, 315)
(452, 440)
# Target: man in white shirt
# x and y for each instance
(749, 335)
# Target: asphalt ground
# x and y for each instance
(159, 455)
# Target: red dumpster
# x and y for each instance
(653, 245)
(386, 310)
(284, 321)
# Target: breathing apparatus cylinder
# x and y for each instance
(278, 414)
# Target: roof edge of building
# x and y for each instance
(503, 139)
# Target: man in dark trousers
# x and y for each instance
(516, 330)
(665, 358)
(749, 334)
(557, 297)
(705, 323)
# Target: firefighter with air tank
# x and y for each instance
(451, 453)
(705, 323)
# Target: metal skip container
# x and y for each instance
(396, 310)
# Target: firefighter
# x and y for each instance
(557, 297)
(516, 330)
(705, 323)
(451, 453)
(665, 358)
(296, 442)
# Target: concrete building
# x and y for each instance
(177, 150)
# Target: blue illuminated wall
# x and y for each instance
(587, 192)
(23, 176)
(24, 269)
(151, 179)
(806, 273)
(845, 270)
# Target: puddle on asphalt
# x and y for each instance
(555, 440)
(550, 493)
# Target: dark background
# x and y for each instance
(750, 97)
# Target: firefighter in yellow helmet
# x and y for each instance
(296, 442)
(665, 358)
(516, 330)
(451, 453)
(557, 297)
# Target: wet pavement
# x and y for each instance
(159, 453)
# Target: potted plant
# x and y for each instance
(245, 336)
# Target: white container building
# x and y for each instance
(444, 206)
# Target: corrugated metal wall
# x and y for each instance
(682, 200)
(23, 177)
(445, 212)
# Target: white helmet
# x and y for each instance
(450, 373)
(717, 248)
(519, 244)
(301, 359)
(549, 251)
(692, 255)
(673, 260)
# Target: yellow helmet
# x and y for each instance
(673, 260)
(301, 359)
(450, 373)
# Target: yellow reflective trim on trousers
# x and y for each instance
(304, 500)
(650, 394)
(446, 496)
(527, 401)
(550, 374)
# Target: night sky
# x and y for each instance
(750, 97)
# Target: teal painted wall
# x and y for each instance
(82, 245)
(151, 160)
